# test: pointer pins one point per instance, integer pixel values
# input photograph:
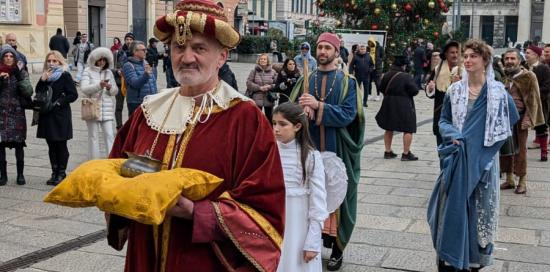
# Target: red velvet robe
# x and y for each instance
(238, 145)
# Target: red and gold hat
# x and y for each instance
(202, 16)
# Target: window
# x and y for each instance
(262, 8)
(10, 11)
(270, 10)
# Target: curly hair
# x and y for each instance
(479, 47)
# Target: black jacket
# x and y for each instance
(228, 76)
(60, 43)
(152, 56)
(57, 125)
(397, 112)
(361, 66)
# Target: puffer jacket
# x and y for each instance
(259, 77)
(91, 78)
(138, 83)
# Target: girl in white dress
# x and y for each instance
(306, 207)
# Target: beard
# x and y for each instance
(511, 70)
(324, 60)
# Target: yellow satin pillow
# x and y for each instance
(144, 198)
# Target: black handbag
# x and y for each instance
(42, 101)
(271, 96)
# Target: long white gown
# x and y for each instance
(306, 209)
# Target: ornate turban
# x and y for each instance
(202, 16)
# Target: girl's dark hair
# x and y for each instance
(285, 68)
(116, 38)
(295, 114)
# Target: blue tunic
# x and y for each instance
(463, 208)
(335, 114)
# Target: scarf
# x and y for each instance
(497, 122)
(443, 76)
(56, 73)
(116, 47)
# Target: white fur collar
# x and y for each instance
(155, 107)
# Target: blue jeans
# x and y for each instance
(132, 107)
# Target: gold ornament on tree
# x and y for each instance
(394, 6)
(431, 4)
(426, 21)
(372, 1)
(377, 11)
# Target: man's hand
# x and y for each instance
(456, 142)
(148, 69)
(310, 113)
(308, 100)
(183, 209)
(525, 123)
(431, 86)
(309, 255)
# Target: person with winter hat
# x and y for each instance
(98, 83)
(13, 124)
(337, 124)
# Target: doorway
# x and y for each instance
(139, 19)
(94, 25)
(487, 29)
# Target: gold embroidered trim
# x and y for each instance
(232, 237)
(201, 8)
(183, 147)
(221, 257)
(165, 240)
(262, 222)
(202, 23)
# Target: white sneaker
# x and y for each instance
(371, 98)
(377, 98)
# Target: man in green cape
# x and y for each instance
(332, 103)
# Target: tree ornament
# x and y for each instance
(431, 4)
(442, 5)
(436, 34)
(392, 44)
(426, 21)
(377, 11)
(446, 9)
(394, 6)
(374, 27)
(372, 1)
(408, 7)
(322, 14)
(417, 16)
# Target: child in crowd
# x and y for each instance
(304, 175)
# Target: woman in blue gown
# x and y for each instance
(476, 119)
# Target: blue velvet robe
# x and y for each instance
(463, 208)
(335, 114)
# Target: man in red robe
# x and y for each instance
(206, 125)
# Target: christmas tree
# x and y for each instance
(404, 20)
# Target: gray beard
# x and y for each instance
(512, 70)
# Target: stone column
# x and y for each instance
(524, 21)
(476, 26)
(546, 22)
(498, 35)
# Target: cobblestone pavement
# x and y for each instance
(391, 232)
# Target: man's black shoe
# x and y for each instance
(408, 157)
(389, 155)
(334, 263)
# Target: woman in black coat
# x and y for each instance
(397, 112)
(55, 125)
(286, 80)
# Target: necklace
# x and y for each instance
(473, 92)
(322, 99)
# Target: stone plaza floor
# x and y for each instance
(391, 232)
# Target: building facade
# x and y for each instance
(35, 21)
(504, 22)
